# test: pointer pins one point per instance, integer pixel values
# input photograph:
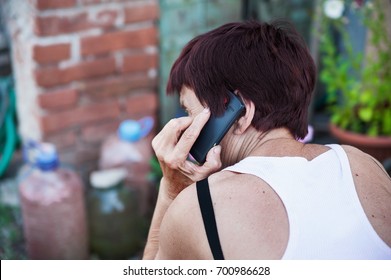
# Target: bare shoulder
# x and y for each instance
(243, 205)
(182, 233)
(367, 165)
(373, 186)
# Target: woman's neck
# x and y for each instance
(255, 143)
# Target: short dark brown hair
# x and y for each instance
(269, 63)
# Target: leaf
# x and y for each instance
(373, 130)
(335, 118)
(387, 123)
(365, 114)
(366, 97)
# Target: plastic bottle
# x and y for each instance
(130, 148)
(114, 224)
(53, 208)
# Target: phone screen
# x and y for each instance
(215, 129)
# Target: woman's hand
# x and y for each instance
(172, 146)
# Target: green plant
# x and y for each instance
(358, 84)
(12, 246)
(156, 172)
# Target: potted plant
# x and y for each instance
(358, 84)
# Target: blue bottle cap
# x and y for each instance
(47, 157)
(129, 130)
(132, 131)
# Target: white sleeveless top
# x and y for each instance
(326, 219)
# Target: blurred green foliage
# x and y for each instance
(358, 84)
(12, 245)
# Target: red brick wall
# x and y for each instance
(92, 63)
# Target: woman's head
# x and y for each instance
(268, 64)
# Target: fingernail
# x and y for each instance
(206, 110)
(217, 149)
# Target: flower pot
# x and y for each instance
(379, 147)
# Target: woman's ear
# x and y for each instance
(244, 121)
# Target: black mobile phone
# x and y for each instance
(216, 127)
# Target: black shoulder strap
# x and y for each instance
(208, 216)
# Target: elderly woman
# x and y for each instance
(261, 193)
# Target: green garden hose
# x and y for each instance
(8, 133)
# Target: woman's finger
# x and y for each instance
(171, 132)
(190, 135)
(213, 160)
(211, 165)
